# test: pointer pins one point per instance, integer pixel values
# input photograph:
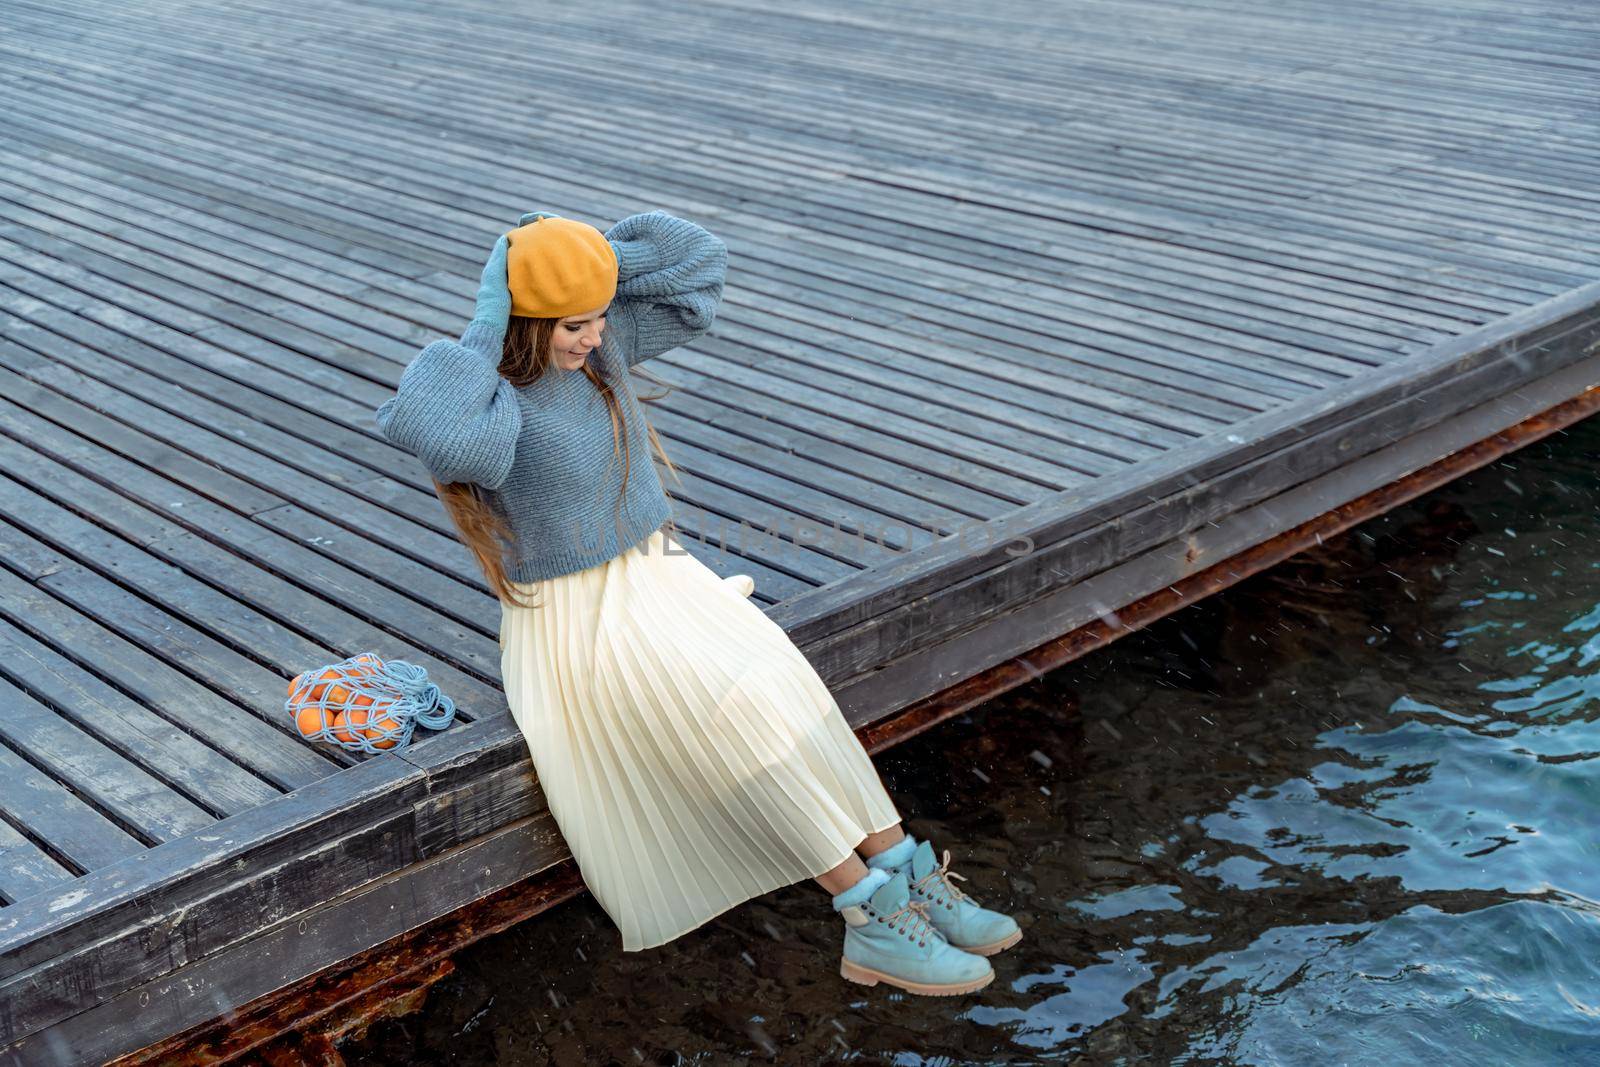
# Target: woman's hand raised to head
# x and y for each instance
(486, 332)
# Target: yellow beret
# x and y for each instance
(557, 267)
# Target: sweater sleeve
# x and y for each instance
(670, 274)
(454, 412)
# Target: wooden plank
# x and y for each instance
(112, 400)
(116, 300)
(186, 646)
(381, 509)
(418, 805)
(26, 554)
(930, 669)
(287, 247)
(767, 422)
(199, 288)
(145, 807)
(759, 406)
(210, 779)
(699, 503)
(71, 211)
(764, 538)
(259, 611)
(282, 761)
(1324, 298)
(207, 282)
(1108, 263)
(479, 780)
(283, 952)
(218, 524)
(878, 296)
(116, 926)
(782, 503)
(1536, 340)
(25, 868)
(461, 757)
(56, 820)
(1057, 323)
(430, 592)
(963, 458)
(142, 378)
(713, 452)
(184, 621)
(369, 244)
(956, 396)
(204, 333)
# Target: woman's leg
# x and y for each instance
(842, 877)
(852, 870)
(876, 843)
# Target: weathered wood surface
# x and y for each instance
(1128, 283)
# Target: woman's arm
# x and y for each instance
(452, 409)
(454, 412)
(670, 274)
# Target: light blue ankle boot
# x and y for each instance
(963, 921)
(888, 938)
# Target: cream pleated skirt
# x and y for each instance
(690, 754)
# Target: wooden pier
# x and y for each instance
(1040, 319)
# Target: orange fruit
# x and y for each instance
(325, 678)
(311, 719)
(376, 735)
(332, 702)
(374, 727)
(339, 732)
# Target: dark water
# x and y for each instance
(1344, 812)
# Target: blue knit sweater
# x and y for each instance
(544, 450)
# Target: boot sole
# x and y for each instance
(993, 947)
(867, 976)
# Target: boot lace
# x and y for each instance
(913, 920)
(941, 877)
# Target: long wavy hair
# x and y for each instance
(526, 357)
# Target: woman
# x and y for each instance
(689, 753)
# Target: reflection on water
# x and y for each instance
(1342, 812)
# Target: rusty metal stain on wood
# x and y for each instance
(389, 980)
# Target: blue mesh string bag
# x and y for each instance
(366, 704)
